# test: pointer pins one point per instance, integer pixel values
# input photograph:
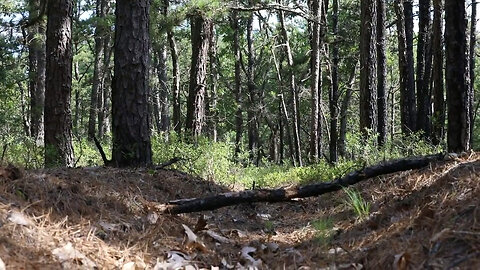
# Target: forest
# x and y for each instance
(106, 107)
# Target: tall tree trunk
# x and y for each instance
(368, 66)
(130, 91)
(342, 149)
(176, 116)
(238, 84)
(381, 73)
(252, 114)
(155, 106)
(473, 42)
(408, 12)
(58, 123)
(200, 30)
(457, 73)
(334, 89)
(314, 7)
(160, 95)
(293, 90)
(36, 70)
(104, 97)
(438, 118)
(212, 97)
(405, 62)
(23, 109)
(164, 114)
(423, 93)
(97, 86)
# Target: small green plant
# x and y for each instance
(357, 203)
(269, 227)
(324, 231)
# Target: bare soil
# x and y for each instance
(97, 217)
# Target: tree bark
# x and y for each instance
(410, 72)
(368, 67)
(36, 70)
(405, 62)
(381, 72)
(457, 73)
(58, 123)
(473, 42)
(212, 97)
(200, 30)
(130, 91)
(333, 95)
(314, 79)
(253, 110)
(238, 84)
(164, 115)
(287, 194)
(438, 118)
(104, 97)
(342, 149)
(423, 93)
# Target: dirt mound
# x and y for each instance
(97, 217)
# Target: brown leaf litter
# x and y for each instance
(98, 218)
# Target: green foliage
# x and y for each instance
(206, 159)
(22, 150)
(367, 150)
(87, 154)
(324, 231)
(357, 203)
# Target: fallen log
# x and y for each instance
(287, 194)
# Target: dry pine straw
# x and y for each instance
(420, 219)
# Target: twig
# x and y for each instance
(3, 152)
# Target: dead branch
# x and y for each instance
(287, 194)
(102, 153)
(168, 163)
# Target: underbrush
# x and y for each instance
(214, 161)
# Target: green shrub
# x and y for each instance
(22, 151)
(207, 159)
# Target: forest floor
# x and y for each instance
(88, 218)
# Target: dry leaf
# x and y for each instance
(152, 218)
(108, 227)
(218, 237)
(129, 266)
(2, 265)
(401, 261)
(19, 218)
(250, 261)
(175, 260)
(193, 242)
(337, 250)
(192, 237)
(68, 255)
(201, 224)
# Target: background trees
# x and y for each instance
(278, 80)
